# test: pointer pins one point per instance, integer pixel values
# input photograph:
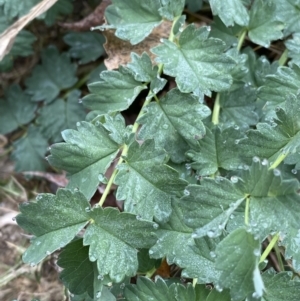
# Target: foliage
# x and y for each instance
(207, 176)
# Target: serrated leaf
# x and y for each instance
(113, 238)
(278, 86)
(238, 106)
(171, 8)
(133, 19)
(230, 11)
(61, 7)
(29, 151)
(216, 150)
(238, 263)
(54, 220)
(280, 287)
(146, 290)
(205, 65)
(175, 242)
(79, 272)
(64, 114)
(85, 155)
(115, 91)
(293, 46)
(54, 74)
(146, 184)
(264, 25)
(174, 122)
(85, 46)
(280, 138)
(16, 109)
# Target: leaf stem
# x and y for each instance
(278, 255)
(171, 35)
(216, 110)
(284, 57)
(281, 157)
(195, 280)
(247, 211)
(241, 38)
(150, 273)
(269, 247)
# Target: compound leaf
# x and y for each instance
(133, 20)
(264, 25)
(59, 115)
(279, 139)
(146, 183)
(54, 220)
(29, 151)
(16, 109)
(197, 62)
(230, 11)
(113, 238)
(145, 289)
(171, 8)
(280, 286)
(79, 272)
(54, 74)
(85, 46)
(174, 122)
(85, 155)
(237, 259)
(216, 150)
(115, 91)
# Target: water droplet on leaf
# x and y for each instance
(294, 171)
(255, 159)
(186, 192)
(276, 172)
(264, 162)
(234, 179)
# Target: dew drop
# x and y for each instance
(38, 197)
(255, 159)
(218, 288)
(77, 123)
(100, 277)
(87, 209)
(76, 189)
(188, 166)
(155, 226)
(294, 171)
(98, 295)
(256, 252)
(151, 252)
(165, 126)
(210, 233)
(97, 123)
(47, 158)
(212, 254)
(49, 148)
(264, 162)
(92, 258)
(277, 109)
(138, 217)
(276, 172)
(237, 141)
(231, 216)
(48, 252)
(256, 295)
(234, 179)
(224, 141)
(101, 177)
(14, 219)
(122, 286)
(236, 127)
(186, 192)
(80, 100)
(208, 28)
(32, 264)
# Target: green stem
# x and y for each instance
(150, 273)
(247, 211)
(278, 255)
(269, 248)
(241, 39)
(171, 35)
(216, 110)
(284, 57)
(195, 280)
(281, 157)
(78, 85)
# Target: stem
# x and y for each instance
(195, 280)
(247, 211)
(269, 248)
(284, 57)
(278, 255)
(216, 110)
(171, 35)
(150, 273)
(241, 39)
(278, 160)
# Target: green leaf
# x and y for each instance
(280, 287)
(29, 151)
(113, 238)
(282, 137)
(61, 7)
(172, 125)
(85, 46)
(293, 46)
(115, 91)
(146, 183)
(133, 19)
(14, 8)
(230, 11)
(85, 155)
(56, 73)
(237, 259)
(175, 242)
(264, 25)
(78, 275)
(16, 109)
(145, 262)
(146, 290)
(64, 114)
(238, 106)
(219, 296)
(205, 65)
(216, 150)
(54, 220)
(171, 8)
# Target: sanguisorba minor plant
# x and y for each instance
(207, 173)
